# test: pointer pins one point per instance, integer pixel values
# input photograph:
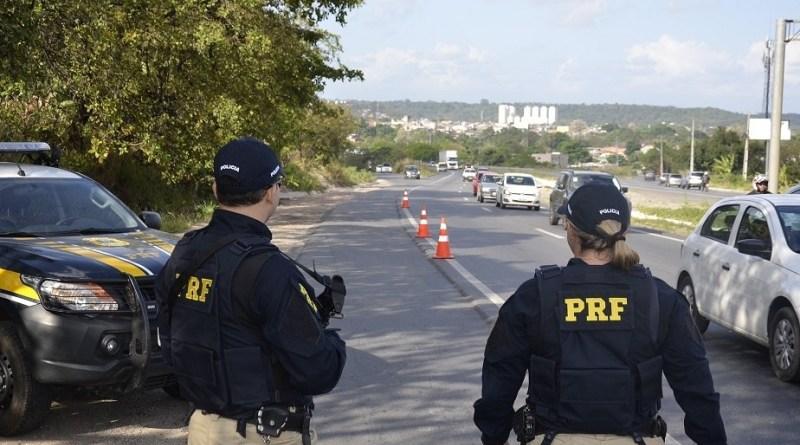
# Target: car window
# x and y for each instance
(562, 181)
(719, 223)
(581, 180)
(753, 226)
(488, 178)
(790, 221)
(49, 206)
(520, 180)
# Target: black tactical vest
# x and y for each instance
(596, 366)
(220, 358)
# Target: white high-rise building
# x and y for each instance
(531, 116)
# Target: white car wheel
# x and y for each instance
(687, 289)
(784, 350)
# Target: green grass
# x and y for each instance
(180, 220)
(663, 226)
(686, 213)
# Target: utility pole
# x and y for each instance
(777, 105)
(746, 146)
(691, 152)
(661, 152)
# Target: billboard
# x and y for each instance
(759, 129)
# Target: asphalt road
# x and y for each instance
(416, 329)
(501, 248)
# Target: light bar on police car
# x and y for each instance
(23, 147)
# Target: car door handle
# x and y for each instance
(726, 266)
(696, 253)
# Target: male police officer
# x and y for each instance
(595, 337)
(242, 328)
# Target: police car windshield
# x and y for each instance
(61, 206)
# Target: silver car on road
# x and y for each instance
(487, 188)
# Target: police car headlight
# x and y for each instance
(80, 297)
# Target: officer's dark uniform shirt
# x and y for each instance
(508, 354)
(313, 358)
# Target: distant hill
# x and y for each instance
(620, 114)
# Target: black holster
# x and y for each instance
(524, 424)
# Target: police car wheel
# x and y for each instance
(687, 289)
(784, 346)
(25, 402)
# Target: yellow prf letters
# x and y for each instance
(197, 289)
(595, 309)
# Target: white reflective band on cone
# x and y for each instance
(444, 239)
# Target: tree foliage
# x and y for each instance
(164, 83)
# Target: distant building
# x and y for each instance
(532, 116)
(560, 160)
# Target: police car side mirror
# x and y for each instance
(151, 219)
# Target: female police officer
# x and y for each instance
(595, 337)
(244, 331)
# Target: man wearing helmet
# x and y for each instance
(760, 184)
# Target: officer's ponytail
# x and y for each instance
(622, 255)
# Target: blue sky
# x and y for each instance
(685, 53)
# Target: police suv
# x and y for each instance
(77, 303)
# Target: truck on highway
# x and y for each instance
(451, 157)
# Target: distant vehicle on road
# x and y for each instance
(570, 180)
(468, 174)
(383, 168)
(649, 175)
(674, 179)
(517, 189)
(741, 268)
(662, 178)
(487, 187)
(411, 172)
(441, 167)
(693, 180)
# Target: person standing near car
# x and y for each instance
(760, 185)
(242, 328)
(594, 338)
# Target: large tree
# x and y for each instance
(164, 82)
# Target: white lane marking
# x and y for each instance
(677, 240)
(484, 289)
(466, 199)
(486, 210)
(550, 233)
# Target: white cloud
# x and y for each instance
(445, 65)
(583, 12)
(566, 79)
(753, 63)
(668, 59)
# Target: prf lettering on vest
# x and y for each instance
(197, 288)
(595, 309)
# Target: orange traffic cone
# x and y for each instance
(405, 203)
(422, 231)
(443, 245)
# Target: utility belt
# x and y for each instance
(526, 428)
(271, 420)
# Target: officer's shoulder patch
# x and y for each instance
(304, 292)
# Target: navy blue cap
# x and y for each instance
(593, 203)
(251, 164)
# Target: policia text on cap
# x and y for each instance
(595, 337)
(240, 325)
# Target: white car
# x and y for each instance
(741, 268)
(517, 189)
(383, 168)
(441, 167)
(468, 174)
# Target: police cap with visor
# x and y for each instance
(592, 204)
(249, 164)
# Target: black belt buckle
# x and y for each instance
(271, 420)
